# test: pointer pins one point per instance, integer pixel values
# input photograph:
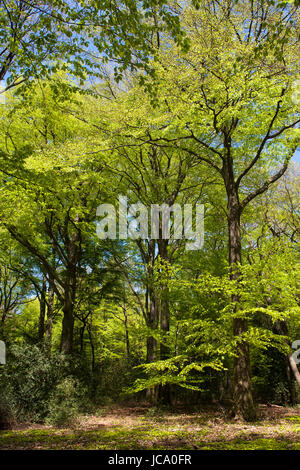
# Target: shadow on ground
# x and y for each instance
(133, 428)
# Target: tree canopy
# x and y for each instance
(156, 103)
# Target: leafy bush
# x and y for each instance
(27, 380)
(31, 382)
(66, 402)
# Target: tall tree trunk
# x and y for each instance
(89, 328)
(42, 314)
(295, 369)
(126, 333)
(164, 391)
(281, 328)
(68, 320)
(164, 322)
(243, 400)
(153, 318)
(126, 325)
(50, 309)
(70, 292)
(289, 372)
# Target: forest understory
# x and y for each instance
(121, 427)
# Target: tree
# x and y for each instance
(236, 115)
(274, 237)
(15, 287)
(59, 193)
(39, 36)
(149, 175)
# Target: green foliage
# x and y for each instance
(39, 39)
(270, 380)
(143, 314)
(66, 402)
(36, 387)
(28, 380)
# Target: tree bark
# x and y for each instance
(295, 369)
(50, 309)
(164, 391)
(153, 318)
(73, 251)
(127, 342)
(68, 320)
(243, 400)
(126, 333)
(42, 315)
(89, 328)
(281, 328)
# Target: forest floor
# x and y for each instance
(133, 428)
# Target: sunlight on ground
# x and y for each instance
(120, 428)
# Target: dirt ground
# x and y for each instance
(135, 428)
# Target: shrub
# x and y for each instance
(27, 380)
(67, 401)
(31, 384)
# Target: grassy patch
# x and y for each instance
(129, 428)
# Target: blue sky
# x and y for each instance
(296, 157)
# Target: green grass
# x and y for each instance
(124, 428)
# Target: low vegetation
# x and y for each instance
(141, 427)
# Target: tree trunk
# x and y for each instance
(152, 312)
(70, 293)
(289, 371)
(68, 321)
(50, 309)
(243, 400)
(127, 342)
(153, 317)
(164, 391)
(281, 328)
(92, 345)
(295, 369)
(42, 315)
(126, 334)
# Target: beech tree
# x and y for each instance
(38, 37)
(235, 113)
(46, 206)
(150, 174)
